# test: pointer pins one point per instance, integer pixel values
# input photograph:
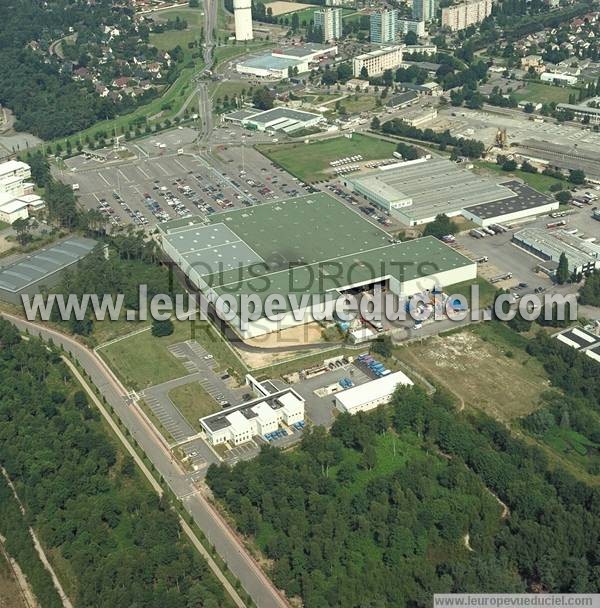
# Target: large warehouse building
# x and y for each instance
(312, 246)
(276, 119)
(583, 257)
(365, 397)
(415, 192)
(42, 268)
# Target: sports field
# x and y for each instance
(544, 93)
(310, 162)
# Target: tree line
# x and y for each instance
(119, 542)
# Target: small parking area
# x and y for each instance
(246, 451)
(319, 410)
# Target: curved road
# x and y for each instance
(226, 542)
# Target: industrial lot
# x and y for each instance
(209, 204)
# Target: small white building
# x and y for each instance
(12, 209)
(238, 424)
(557, 77)
(365, 397)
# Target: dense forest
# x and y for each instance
(116, 542)
(349, 523)
(118, 265)
(19, 545)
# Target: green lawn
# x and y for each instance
(309, 162)
(537, 181)
(193, 16)
(193, 402)
(355, 104)
(142, 360)
(544, 93)
(486, 291)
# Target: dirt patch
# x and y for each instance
(310, 333)
(279, 7)
(504, 382)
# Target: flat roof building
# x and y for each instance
(260, 416)
(582, 256)
(271, 66)
(370, 395)
(582, 340)
(42, 268)
(282, 119)
(309, 51)
(316, 248)
(582, 112)
(525, 203)
(377, 62)
(415, 192)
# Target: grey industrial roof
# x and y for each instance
(277, 113)
(270, 62)
(552, 244)
(525, 198)
(581, 337)
(569, 156)
(310, 48)
(402, 98)
(43, 263)
(213, 248)
(434, 186)
(578, 108)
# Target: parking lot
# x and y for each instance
(503, 256)
(168, 179)
(319, 410)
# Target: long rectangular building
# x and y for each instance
(582, 257)
(365, 397)
(377, 62)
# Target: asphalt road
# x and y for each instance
(228, 546)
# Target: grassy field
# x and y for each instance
(142, 360)
(309, 162)
(544, 93)
(193, 402)
(193, 16)
(574, 446)
(537, 181)
(359, 103)
(486, 291)
(485, 367)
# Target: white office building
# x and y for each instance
(365, 397)
(403, 26)
(14, 177)
(376, 62)
(330, 22)
(263, 415)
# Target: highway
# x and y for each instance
(182, 483)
